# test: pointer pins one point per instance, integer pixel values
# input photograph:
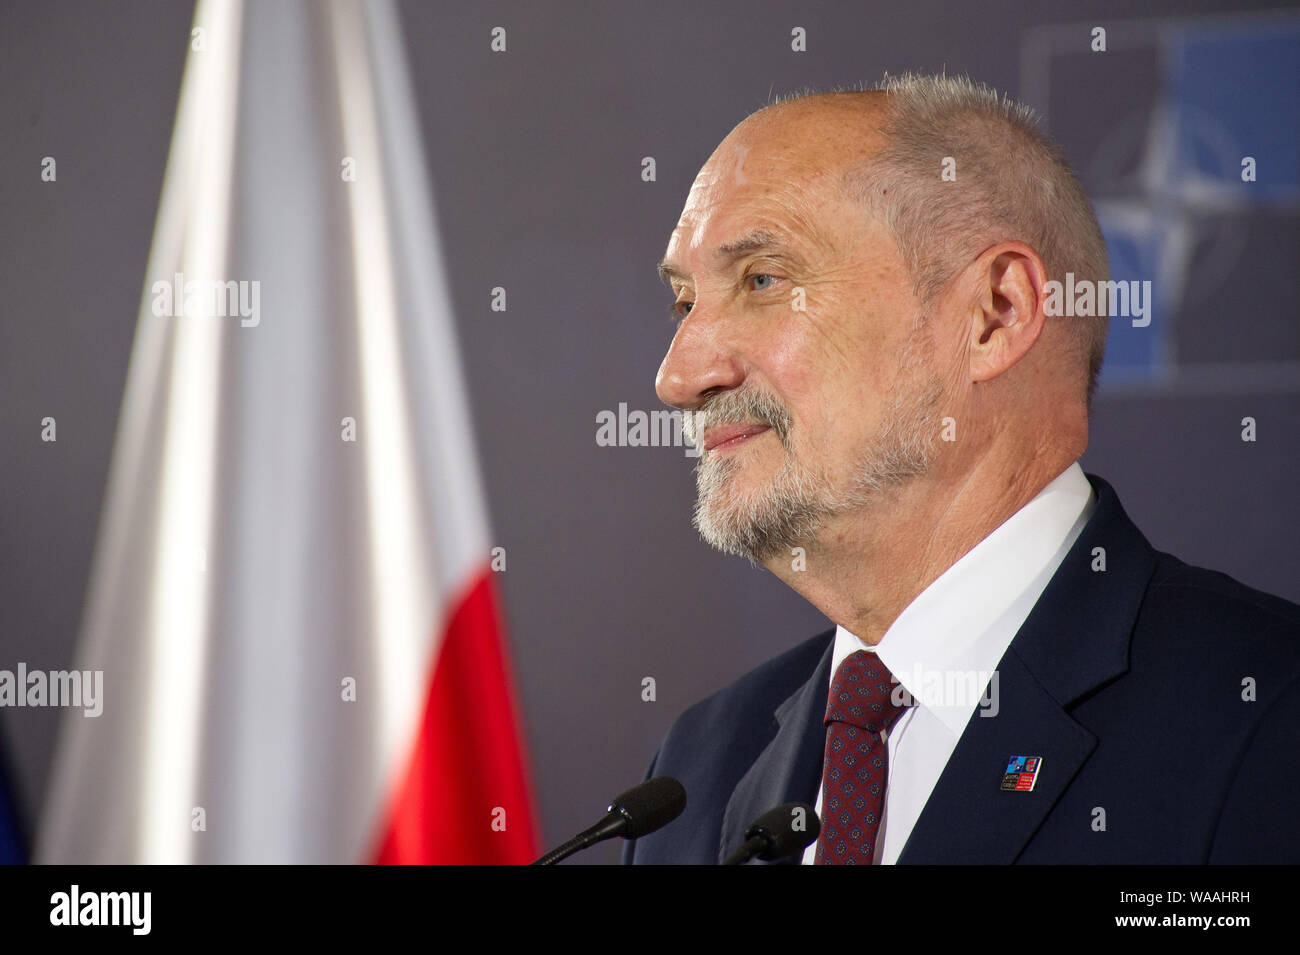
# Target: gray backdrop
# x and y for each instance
(536, 159)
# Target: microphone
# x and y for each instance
(641, 810)
(779, 832)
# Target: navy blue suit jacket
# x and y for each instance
(1131, 683)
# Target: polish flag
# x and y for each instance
(292, 598)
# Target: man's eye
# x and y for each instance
(680, 310)
(760, 285)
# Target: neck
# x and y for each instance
(868, 565)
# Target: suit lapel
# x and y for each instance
(789, 769)
(968, 818)
(1075, 640)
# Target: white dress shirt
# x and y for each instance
(953, 636)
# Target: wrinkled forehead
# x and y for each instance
(733, 209)
(778, 176)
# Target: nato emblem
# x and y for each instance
(1021, 774)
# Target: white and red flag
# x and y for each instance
(292, 600)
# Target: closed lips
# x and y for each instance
(731, 434)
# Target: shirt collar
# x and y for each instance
(948, 641)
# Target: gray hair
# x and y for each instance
(1013, 183)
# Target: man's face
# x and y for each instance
(798, 360)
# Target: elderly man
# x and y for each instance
(891, 418)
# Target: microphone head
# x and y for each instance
(787, 829)
(649, 806)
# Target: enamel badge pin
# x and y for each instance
(1021, 774)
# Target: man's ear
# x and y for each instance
(1007, 314)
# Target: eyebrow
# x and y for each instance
(754, 241)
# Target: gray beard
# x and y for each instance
(760, 525)
(795, 507)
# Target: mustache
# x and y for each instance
(738, 407)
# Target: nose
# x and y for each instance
(698, 364)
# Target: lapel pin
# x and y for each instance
(1021, 774)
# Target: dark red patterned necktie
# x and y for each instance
(856, 770)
